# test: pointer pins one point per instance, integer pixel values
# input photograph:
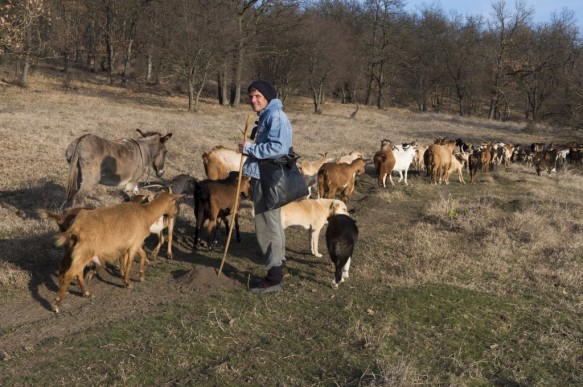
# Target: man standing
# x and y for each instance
(273, 138)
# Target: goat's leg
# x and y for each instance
(200, 218)
(129, 260)
(143, 259)
(83, 285)
(406, 177)
(332, 192)
(74, 270)
(226, 223)
(211, 237)
(159, 245)
(237, 228)
(170, 233)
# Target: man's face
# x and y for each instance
(257, 101)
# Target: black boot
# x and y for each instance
(272, 282)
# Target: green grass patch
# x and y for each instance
(430, 334)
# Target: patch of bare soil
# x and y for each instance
(27, 320)
(204, 280)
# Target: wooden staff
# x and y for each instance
(250, 120)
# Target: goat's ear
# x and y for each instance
(178, 197)
(165, 138)
(140, 132)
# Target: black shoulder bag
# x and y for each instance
(281, 180)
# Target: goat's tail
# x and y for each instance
(67, 238)
(45, 214)
(72, 182)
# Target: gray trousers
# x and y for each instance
(268, 228)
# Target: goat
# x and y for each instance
(419, 160)
(474, 164)
(334, 176)
(440, 160)
(219, 161)
(508, 150)
(457, 164)
(347, 159)
(103, 234)
(404, 155)
(63, 221)
(545, 160)
(384, 162)
(309, 170)
(486, 156)
(214, 199)
(181, 185)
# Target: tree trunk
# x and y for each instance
(190, 95)
(128, 64)
(109, 43)
(149, 69)
(236, 89)
(223, 86)
(23, 79)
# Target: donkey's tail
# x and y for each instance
(72, 155)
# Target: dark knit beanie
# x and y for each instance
(265, 88)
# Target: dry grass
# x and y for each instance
(440, 255)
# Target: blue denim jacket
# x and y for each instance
(273, 138)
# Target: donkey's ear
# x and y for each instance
(165, 138)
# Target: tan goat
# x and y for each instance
(457, 164)
(384, 162)
(219, 161)
(347, 159)
(310, 170)
(440, 161)
(419, 153)
(104, 234)
(334, 176)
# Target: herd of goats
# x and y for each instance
(92, 237)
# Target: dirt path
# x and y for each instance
(27, 320)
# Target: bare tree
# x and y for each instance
(382, 19)
(248, 16)
(20, 23)
(463, 61)
(505, 31)
(196, 30)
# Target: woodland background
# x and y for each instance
(369, 52)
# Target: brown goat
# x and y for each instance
(384, 162)
(486, 155)
(219, 161)
(214, 199)
(309, 170)
(103, 234)
(333, 176)
(440, 161)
